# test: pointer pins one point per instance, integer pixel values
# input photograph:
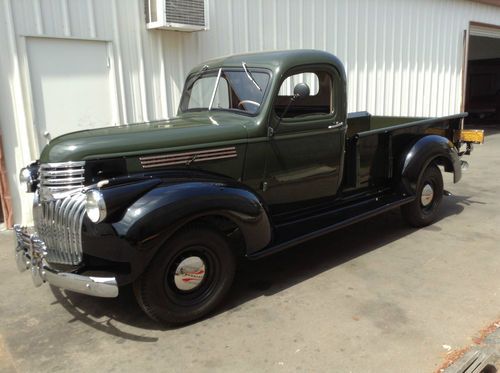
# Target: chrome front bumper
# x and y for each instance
(30, 254)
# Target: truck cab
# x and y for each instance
(261, 156)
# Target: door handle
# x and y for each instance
(336, 124)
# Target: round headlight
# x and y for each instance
(25, 176)
(96, 207)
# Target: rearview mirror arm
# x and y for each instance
(271, 130)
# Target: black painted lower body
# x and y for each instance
(292, 233)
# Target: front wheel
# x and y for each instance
(423, 210)
(188, 277)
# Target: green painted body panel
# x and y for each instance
(188, 131)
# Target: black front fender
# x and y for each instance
(160, 212)
(425, 150)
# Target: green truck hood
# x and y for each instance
(188, 131)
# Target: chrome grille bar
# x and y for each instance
(59, 180)
(67, 181)
(59, 224)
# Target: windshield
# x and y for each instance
(239, 90)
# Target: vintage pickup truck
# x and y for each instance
(262, 156)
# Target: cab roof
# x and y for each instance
(276, 61)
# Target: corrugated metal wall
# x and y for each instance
(403, 57)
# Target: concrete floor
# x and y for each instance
(375, 297)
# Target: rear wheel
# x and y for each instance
(188, 277)
(423, 210)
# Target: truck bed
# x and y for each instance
(373, 143)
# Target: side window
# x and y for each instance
(319, 101)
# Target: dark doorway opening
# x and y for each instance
(482, 95)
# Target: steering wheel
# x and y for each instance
(243, 102)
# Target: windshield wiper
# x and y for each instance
(249, 74)
(215, 89)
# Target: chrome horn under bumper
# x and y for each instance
(30, 252)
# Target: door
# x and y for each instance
(71, 86)
(305, 154)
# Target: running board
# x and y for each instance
(380, 207)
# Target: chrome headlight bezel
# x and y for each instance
(28, 177)
(95, 206)
(25, 176)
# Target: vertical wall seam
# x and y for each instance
(325, 15)
(261, 32)
(245, 22)
(230, 21)
(301, 25)
(373, 83)
(91, 13)
(38, 17)
(118, 59)
(313, 24)
(365, 62)
(288, 25)
(163, 79)
(275, 25)
(142, 73)
(66, 20)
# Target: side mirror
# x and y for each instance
(301, 90)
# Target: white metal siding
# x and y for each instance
(403, 57)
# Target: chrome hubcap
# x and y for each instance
(427, 195)
(189, 274)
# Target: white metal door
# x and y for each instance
(489, 31)
(71, 86)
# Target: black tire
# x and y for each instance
(419, 213)
(157, 290)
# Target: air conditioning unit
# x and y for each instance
(178, 15)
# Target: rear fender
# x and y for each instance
(424, 151)
(158, 214)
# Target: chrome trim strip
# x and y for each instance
(70, 164)
(68, 215)
(65, 172)
(184, 162)
(64, 219)
(187, 153)
(62, 181)
(188, 157)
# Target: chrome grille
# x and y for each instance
(59, 180)
(58, 223)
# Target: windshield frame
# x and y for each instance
(213, 72)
